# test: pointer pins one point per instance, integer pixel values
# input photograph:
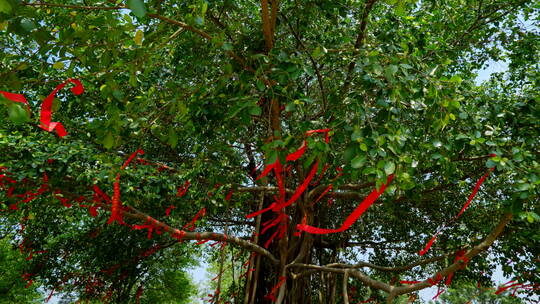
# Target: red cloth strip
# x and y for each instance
(300, 189)
(254, 214)
(435, 281)
(116, 210)
(272, 294)
(460, 255)
(183, 190)
(469, 200)
(268, 168)
(353, 217)
(410, 282)
(503, 289)
(324, 193)
(131, 157)
(439, 292)
(191, 224)
(169, 209)
(475, 190)
(298, 153)
(325, 131)
(46, 108)
(428, 245)
(100, 195)
(229, 195)
(16, 98)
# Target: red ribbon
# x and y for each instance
(272, 294)
(475, 190)
(410, 282)
(428, 245)
(353, 217)
(438, 278)
(46, 107)
(131, 157)
(16, 98)
(191, 224)
(116, 210)
(169, 209)
(183, 190)
(298, 153)
(324, 193)
(465, 206)
(460, 256)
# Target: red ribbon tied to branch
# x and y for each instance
(116, 210)
(46, 107)
(353, 217)
(465, 206)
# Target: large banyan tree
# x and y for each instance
(317, 151)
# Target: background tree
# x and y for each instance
(214, 92)
(12, 288)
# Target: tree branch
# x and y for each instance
(483, 246)
(38, 4)
(357, 45)
(311, 59)
(395, 291)
(186, 235)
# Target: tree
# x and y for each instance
(12, 288)
(298, 109)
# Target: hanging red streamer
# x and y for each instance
(183, 190)
(131, 157)
(429, 243)
(465, 206)
(272, 294)
(191, 225)
(353, 217)
(46, 107)
(116, 210)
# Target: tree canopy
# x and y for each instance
(315, 151)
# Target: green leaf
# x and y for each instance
(456, 79)
(256, 111)
(172, 137)
(389, 168)
(108, 141)
(5, 7)
(358, 161)
(58, 65)
(227, 46)
(139, 37)
(17, 114)
(137, 7)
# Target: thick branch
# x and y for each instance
(355, 273)
(394, 291)
(484, 245)
(392, 269)
(186, 235)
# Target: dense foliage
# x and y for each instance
(214, 91)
